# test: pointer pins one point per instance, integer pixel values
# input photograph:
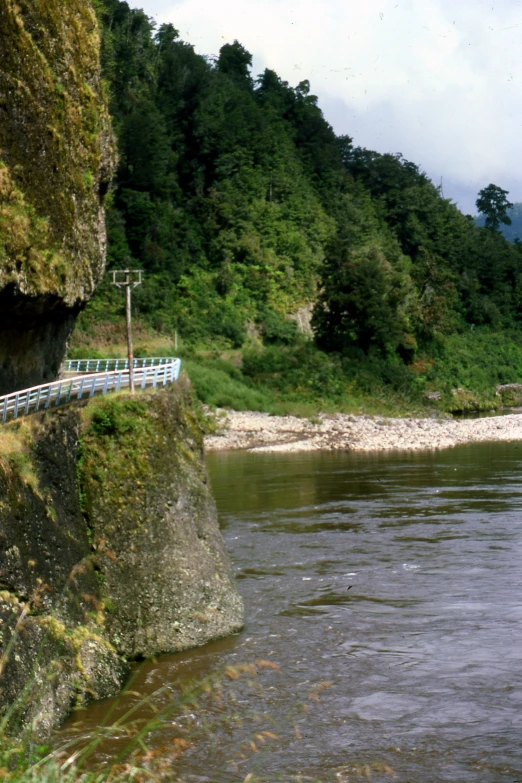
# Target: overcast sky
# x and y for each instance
(438, 80)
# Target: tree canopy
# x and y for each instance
(493, 204)
(242, 205)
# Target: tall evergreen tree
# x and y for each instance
(493, 204)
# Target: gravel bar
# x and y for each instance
(260, 432)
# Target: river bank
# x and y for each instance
(261, 432)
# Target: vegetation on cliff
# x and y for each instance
(56, 147)
(153, 524)
(57, 154)
(110, 551)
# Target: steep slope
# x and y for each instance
(110, 550)
(56, 160)
(244, 208)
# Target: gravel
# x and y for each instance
(260, 432)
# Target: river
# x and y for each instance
(387, 588)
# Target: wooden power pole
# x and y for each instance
(128, 279)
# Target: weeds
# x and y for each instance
(222, 385)
(159, 736)
(149, 738)
(16, 440)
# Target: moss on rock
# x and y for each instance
(56, 160)
(109, 549)
(154, 524)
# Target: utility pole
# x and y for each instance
(128, 279)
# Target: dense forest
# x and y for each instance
(243, 207)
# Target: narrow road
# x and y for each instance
(87, 377)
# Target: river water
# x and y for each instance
(388, 589)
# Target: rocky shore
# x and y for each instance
(261, 432)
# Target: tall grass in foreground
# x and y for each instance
(147, 738)
(150, 738)
(181, 719)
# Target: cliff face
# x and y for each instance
(56, 160)
(109, 550)
(153, 524)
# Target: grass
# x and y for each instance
(151, 736)
(296, 380)
(221, 385)
(463, 369)
(109, 340)
(16, 439)
(148, 736)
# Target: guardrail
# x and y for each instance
(66, 390)
(104, 365)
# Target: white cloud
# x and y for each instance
(436, 80)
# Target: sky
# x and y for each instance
(436, 80)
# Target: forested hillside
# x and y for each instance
(241, 204)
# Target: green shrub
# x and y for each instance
(278, 329)
(223, 388)
(477, 360)
(115, 417)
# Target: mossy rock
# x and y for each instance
(510, 395)
(465, 401)
(153, 520)
(56, 148)
(57, 154)
(110, 549)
